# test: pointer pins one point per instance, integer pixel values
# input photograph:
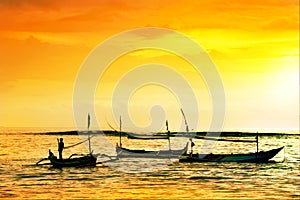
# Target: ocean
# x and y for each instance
(20, 178)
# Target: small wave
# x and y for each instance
(208, 177)
(28, 176)
(80, 179)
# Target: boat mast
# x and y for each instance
(187, 130)
(168, 132)
(120, 132)
(89, 138)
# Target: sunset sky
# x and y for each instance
(254, 45)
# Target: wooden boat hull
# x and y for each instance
(141, 153)
(262, 156)
(88, 160)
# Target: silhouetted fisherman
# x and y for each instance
(61, 146)
(192, 145)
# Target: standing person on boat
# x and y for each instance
(61, 146)
(192, 145)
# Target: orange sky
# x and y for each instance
(255, 45)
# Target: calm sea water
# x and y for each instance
(21, 179)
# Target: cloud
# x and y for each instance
(33, 59)
(283, 23)
(118, 15)
(14, 4)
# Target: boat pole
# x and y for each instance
(120, 132)
(168, 132)
(89, 139)
(187, 131)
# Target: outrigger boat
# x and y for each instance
(75, 160)
(141, 153)
(147, 136)
(257, 157)
(83, 160)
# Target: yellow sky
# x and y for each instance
(254, 44)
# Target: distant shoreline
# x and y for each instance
(173, 134)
